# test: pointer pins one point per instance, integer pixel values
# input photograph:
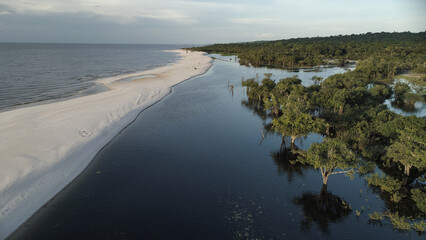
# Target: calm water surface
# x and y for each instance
(31, 72)
(193, 167)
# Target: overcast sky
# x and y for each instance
(201, 21)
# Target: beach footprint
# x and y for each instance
(85, 133)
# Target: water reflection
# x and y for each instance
(284, 159)
(323, 208)
(404, 197)
(255, 107)
(407, 108)
(418, 109)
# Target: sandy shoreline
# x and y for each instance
(44, 147)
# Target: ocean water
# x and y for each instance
(33, 73)
(194, 166)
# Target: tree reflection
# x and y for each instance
(408, 108)
(323, 208)
(285, 161)
(257, 108)
(404, 197)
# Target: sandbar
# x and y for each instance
(44, 147)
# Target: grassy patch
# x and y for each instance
(418, 79)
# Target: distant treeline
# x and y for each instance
(382, 54)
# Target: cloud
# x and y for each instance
(258, 20)
(268, 36)
(121, 11)
(170, 14)
(196, 21)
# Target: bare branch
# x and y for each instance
(263, 135)
(338, 172)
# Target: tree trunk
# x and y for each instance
(275, 111)
(407, 170)
(282, 145)
(293, 138)
(404, 184)
(340, 110)
(325, 178)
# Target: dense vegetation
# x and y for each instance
(382, 54)
(360, 134)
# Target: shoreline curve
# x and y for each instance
(43, 148)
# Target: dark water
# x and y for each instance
(37, 72)
(193, 167)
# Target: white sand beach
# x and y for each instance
(44, 147)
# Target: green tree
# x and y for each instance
(406, 209)
(253, 89)
(295, 124)
(380, 93)
(330, 155)
(409, 149)
(278, 95)
(400, 90)
(411, 98)
(317, 80)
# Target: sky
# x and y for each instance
(201, 21)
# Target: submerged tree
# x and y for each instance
(330, 155)
(295, 120)
(403, 190)
(406, 210)
(409, 149)
(253, 89)
(256, 90)
(285, 90)
(295, 124)
(317, 80)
